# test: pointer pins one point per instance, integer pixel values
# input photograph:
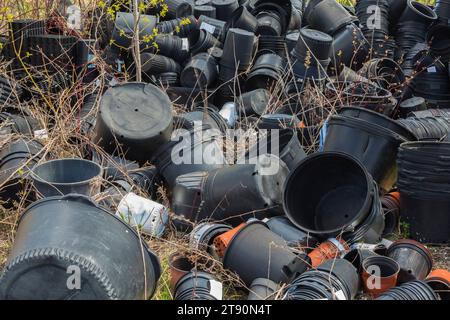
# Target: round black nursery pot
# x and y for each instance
(60, 236)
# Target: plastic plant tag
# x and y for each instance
(340, 295)
(207, 27)
(216, 289)
(185, 44)
(151, 217)
(431, 69)
(41, 134)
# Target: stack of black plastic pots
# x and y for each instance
(317, 193)
(175, 26)
(273, 17)
(198, 285)
(200, 196)
(267, 72)
(429, 128)
(201, 71)
(311, 56)
(439, 39)
(385, 72)
(415, 290)
(423, 185)
(372, 135)
(334, 280)
(413, 26)
(374, 22)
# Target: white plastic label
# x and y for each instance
(147, 214)
(340, 295)
(41, 134)
(216, 289)
(207, 27)
(432, 69)
(185, 44)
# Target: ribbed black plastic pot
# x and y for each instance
(317, 197)
(201, 41)
(210, 196)
(178, 28)
(16, 123)
(375, 146)
(203, 235)
(294, 237)
(329, 16)
(271, 257)
(266, 72)
(201, 71)
(171, 46)
(137, 118)
(415, 290)
(122, 33)
(155, 64)
(178, 8)
(198, 285)
(269, 24)
(383, 71)
(65, 176)
(415, 260)
(345, 272)
(112, 261)
(391, 210)
(262, 289)
(16, 161)
(411, 105)
(187, 145)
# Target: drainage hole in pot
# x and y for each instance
(136, 110)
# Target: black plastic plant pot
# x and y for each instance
(65, 176)
(200, 72)
(314, 43)
(16, 123)
(414, 290)
(209, 196)
(271, 257)
(328, 193)
(383, 71)
(225, 8)
(375, 146)
(60, 236)
(269, 24)
(202, 41)
(440, 286)
(253, 102)
(357, 256)
(242, 19)
(442, 9)
(281, 8)
(198, 285)
(178, 157)
(391, 210)
(178, 8)
(350, 48)
(135, 119)
(329, 16)
(124, 29)
(411, 105)
(379, 119)
(415, 211)
(155, 64)
(266, 72)
(238, 49)
(178, 28)
(170, 46)
(208, 11)
(345, 272)
(214, 26)
(294, 237)
(418, 12)
(415, 260)
(17, 159)
(203, 235)
(396, 8)
(263, 289)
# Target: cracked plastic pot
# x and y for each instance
(64, 176)
(36, 270)
(271, 257)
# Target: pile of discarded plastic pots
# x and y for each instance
(338, 179)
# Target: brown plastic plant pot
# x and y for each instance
(221, 242)
(330, 249)
(376, 285)
(179, 266)
(440, 274)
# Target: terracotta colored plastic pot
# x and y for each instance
(330, 249)
(179, 266)
(221, 242)
(440, 274)
(387, 279)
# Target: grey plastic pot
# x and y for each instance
(64, 176)
(60, 237)
(262, 289)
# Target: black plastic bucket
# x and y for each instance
(415, 260)
(62, 237)
(270, 256)
(134, 119)
(331, 193)
(375, 146)
(198, 285)
(64, 176)
(201, 71)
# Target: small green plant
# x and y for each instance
(404, 230)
